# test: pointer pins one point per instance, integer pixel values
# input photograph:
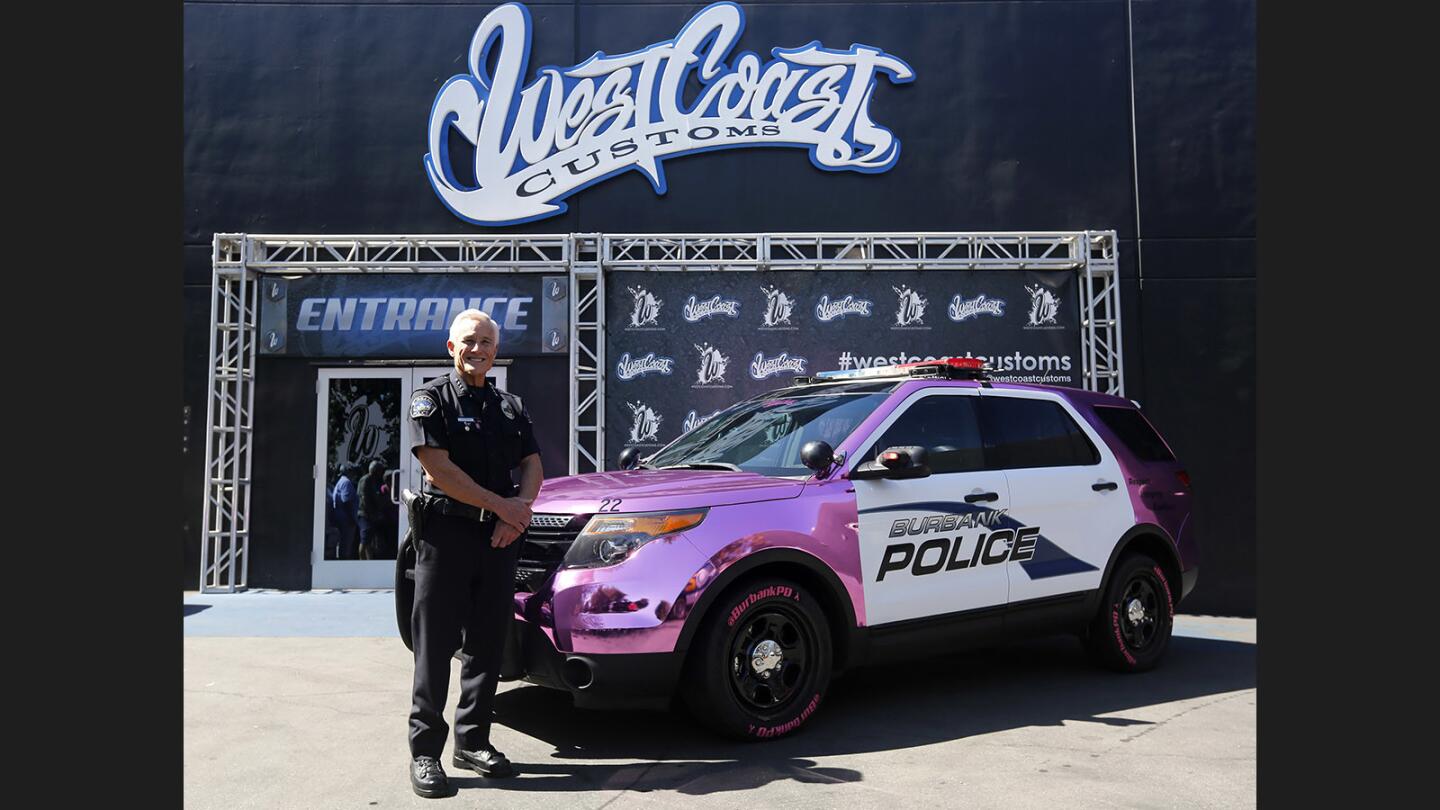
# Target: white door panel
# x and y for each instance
(1078, 525)
(921, 545)
(924, 550)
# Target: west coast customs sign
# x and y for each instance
(679, 347)
(536, 144)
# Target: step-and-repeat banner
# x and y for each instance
(681, 346)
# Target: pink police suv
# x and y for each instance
(852, 517)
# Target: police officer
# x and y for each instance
(468, 436)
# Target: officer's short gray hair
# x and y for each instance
(471, 315)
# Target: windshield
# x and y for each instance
(764, 435)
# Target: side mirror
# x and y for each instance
(895, 463)
(629, 458)
(818, 456)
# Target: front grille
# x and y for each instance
(550, 521)
(546, 542)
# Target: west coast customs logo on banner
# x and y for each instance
(763, 367)
(645, 314)
(910, 312)
(962, 309)
(645, 423)
(572, 127)
(827, 309)
(1044, 308)
(711, 371)
(778, 306)
(696, 310)
(628, 368)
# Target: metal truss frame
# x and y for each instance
(225, 532)
(240, 259)
(1101, 348)
(587, 355)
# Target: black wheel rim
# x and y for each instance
(768, 685)
(1140, 613)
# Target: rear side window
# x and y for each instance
(1032, 433)
(946, 426)
(1135, 433)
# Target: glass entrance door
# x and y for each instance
(360, 452)
(362, 461)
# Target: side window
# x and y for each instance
(1032, 433)
(946, 426)
(1135, 432)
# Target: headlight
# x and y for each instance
(609, 539)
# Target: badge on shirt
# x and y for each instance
(422, 406)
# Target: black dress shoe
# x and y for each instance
(485, 761)
(428, 778)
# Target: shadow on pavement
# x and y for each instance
(692, 778)
(880, 708)
(193, 609)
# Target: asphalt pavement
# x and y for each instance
(300, 699)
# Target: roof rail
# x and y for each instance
(950, 368)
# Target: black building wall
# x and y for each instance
(311, 118)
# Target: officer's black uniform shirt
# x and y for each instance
(486, 431)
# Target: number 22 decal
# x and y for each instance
(610, 504)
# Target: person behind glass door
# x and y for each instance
(343, 498)
(372, 512)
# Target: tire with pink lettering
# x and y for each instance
(760, 665)
(1131, 631)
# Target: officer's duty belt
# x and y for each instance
(449, 506)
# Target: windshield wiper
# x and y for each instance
(703, 465)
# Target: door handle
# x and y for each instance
(1104, 485)
(981, 496)
(393, 478)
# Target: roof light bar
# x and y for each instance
(953, 368)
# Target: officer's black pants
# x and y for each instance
(464, 592)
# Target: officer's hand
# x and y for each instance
(514, 511)
(503, 535)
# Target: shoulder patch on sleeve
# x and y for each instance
(422, 405)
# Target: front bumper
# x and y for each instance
(610, 636)
(596, 681)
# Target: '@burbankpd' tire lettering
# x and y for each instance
(1131, 631)
(761, 663)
